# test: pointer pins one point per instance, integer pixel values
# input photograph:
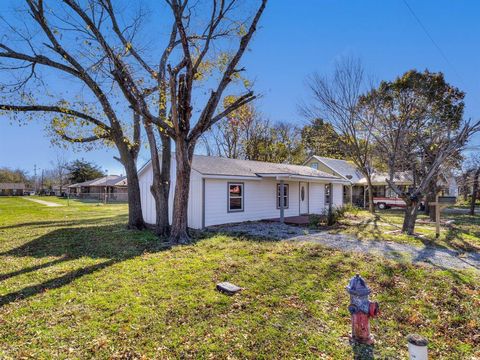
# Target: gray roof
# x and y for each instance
(212, 165)
(110, 180)
(399, 178)
(12, 186)
(342, 167)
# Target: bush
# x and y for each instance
(351, 209)
(326, 219)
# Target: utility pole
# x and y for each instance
(41, 188)
(35, 178)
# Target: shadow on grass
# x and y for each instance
(110, 243)
(56, 223)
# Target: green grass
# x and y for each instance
(461, 235)
(75, 284)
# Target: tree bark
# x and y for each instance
(135, 215)
(160, 187)
(410, 217)
(184, 154)
(431, 198)
(474, 192)
(465, 186)
(371, 205)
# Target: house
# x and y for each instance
(356, 191)
(12, 189)
(112, 185)
(226, 190)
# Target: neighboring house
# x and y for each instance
(226, 190)
(12, 189)
(111, 184)
(356, 191)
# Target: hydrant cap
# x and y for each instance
(358, 287)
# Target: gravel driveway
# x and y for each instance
(435, 256)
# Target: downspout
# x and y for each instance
(203, 203)
(282, 197)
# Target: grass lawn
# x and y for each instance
(461, 235)
(75, 284)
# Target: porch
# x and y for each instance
(300, 220)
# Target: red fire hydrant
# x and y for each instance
(361, 310)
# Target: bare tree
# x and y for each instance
(472, 179)
(336, 100)
(60, 172)
(58, 46)
(417, 125)
(159, 92)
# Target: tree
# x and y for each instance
(81, 171)
(320, 138)
(60, 171)
(159, 95)
(417, 124)
(336, 100)
(8, 175)
(472, 179)
(64, 44)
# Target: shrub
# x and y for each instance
(326, 219)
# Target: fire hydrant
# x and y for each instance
(361, 310)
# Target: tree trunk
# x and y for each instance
(474, 192)
(135, 216)
(371, 205)
(184, 154)
(431, 198)
(160, 187)
(465, 186)
(410, 217)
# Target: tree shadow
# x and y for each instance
(56, 223)
(109, 244)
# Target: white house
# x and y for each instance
(229, 190)
(356, 192)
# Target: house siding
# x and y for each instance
(259, 201)
(260, 198)
(317, 198)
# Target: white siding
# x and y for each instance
(259, 201)
(337, 191)
(195, 196)
(317, 198)
(260, 198)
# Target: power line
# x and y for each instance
(439, 49)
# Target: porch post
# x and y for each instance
(351, 194)
(282, 192)
(364, 197)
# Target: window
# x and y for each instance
(314, 165)
(327, 194)
(235, 197)
(379, 191)
(284, 197)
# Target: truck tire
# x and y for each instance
(382, 206)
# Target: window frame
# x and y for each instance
(278, 195)
(314, 165)
(242, 197)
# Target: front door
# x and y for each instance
(303, 198)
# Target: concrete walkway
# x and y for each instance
(436, 256)
(43, 202)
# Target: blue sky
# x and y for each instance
(294, 41)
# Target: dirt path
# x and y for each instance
(43, 202)
(436, 256)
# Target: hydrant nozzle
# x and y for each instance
(361, 310)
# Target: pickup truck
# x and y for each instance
(383, 203)
(386, 203)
